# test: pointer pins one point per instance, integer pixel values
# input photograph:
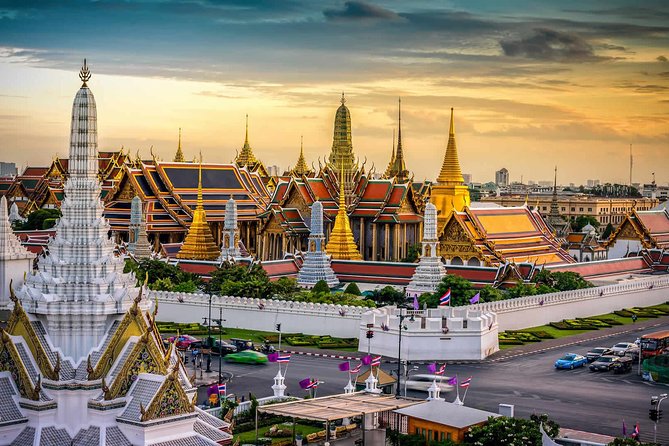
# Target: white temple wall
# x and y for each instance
(532, 311)
(241, 312)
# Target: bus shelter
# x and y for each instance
(337, 407)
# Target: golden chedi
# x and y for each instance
(341, 245)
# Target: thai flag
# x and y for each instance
(635, 434)
(446, 298)
(281, 359)
(376, 361)
(441, 370)
(313, 384)
(357, 368)
(466, 382)
(221, 389)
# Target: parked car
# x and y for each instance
(570, 361)
(422, 382)
(604, 363)
(597, 352)
(222, 347)
(621, 348)
(623, 364)
(247, 357)
(242, 344)
(186, 342)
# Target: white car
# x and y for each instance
(423, 382)
(621, 348)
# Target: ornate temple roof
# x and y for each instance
(301, 167)
(651, 228)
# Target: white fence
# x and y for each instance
(532, 311)
(261, 314)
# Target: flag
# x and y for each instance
(273, 357)
(415, 303)
(345, 366)
(283, 359)
(432, 368)
(446, 298)
(221, 388)
(313, 384)
(366, 360)
(466, 382)
(475, 299)
(376, 361)
(305, 383)
(453, 381)
(441, 370)
(624, 429)
(357, 368)
(635, 434)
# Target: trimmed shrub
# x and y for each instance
(352, 288)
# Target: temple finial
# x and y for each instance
(343, 99)
(246, 138)
(301, 145)
(179, 156)
(199, 184)
(451, 131)
(84, 74)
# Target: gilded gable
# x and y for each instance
(455, 242)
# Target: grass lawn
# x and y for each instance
(250, 436)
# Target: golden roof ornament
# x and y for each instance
(341, 245)
(179, 156)
(246, 156)
(84, 74)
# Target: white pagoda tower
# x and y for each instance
(230, 247)
(81, 360)
(138, 241)
(430, 269)
(316, 264)
(14, 214)
(15, 259)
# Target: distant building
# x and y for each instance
(592, 183)
(7, 169)
(467, 177)
(502, 177)
(273, 171)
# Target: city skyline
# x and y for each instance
(533, 85)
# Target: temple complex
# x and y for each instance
(450, 192)
(341, 245)
(316, 264)
(81, 359)
(430, 269)
(199, 243)
(15, 259)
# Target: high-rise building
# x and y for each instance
(468, 178)
(7, 169)
(502, 177)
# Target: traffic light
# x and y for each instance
(653, 414)
(278, 327)
(659, 415)
(370, 334)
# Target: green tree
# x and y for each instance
(516, 431)
(561, 281)
(321, 287)
(163, 276)
(521, 289)
(629, 442)
(579, 222)
(284, 287)
(388, 295)
(353, 289)
(461, 291)
(413, 253)
(39, 219)
(608, 230)
(490, 294)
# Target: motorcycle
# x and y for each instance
(267, 348)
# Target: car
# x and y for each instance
(621, 348)
(186, 342)
(604, 363)
(422, 382)
(222, 347)
(597, 352)
(247, 357)
(242, 344)
(570, 361)
(622, 365)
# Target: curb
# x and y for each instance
(321, 355)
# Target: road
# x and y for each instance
(578, 399)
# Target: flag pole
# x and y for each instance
(279, 352)
(465, 395)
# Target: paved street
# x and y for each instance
(578, 399)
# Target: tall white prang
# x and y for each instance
(430, 269)
(316, 264)
(80, 283)
(230, 246)
(15, 260)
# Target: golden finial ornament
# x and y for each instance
(343, 99)
(179, 156)
(84, 74)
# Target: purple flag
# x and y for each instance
(345, 366)
(453, 381)
(366, 360)
(432, 368)
(475, 299)
(305, 383)
(415, 303)
(273, 357)
(212, 390)
(624, 429)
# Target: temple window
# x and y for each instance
(457, 261)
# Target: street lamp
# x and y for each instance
(209, 343)
(656, 413)
(401, 314)
(219, 322)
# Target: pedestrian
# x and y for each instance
(634, 317)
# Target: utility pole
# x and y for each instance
(220, 342)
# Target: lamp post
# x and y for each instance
(401, 314)
(209, 337)
(656, 414)
(219, 322)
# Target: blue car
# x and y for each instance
(570, 361)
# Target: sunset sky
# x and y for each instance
(534, 84)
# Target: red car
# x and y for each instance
(186, 342)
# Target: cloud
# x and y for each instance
(356, 10)
(662, 59)
(551, 45)
(641, 88)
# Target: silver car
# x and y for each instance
(622, 348)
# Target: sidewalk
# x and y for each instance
(550, 344)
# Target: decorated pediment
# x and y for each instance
(10, 361)
(455, 242)
(170, 400)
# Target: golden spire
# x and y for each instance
(179, 157)
(341, 245)
(301, 167)
(399, 167)
(450, 169)
(199, 243)
(246, 156)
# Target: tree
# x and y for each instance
(629, 442)
(413, 253)
(461, 291)
(353, 289)
(321, 287)
(561, 281)
(39, 219)
(388, 295)
(608, 230)
(284, 287)
(581, 221)
(490, 294)
(521, 290)
(516, 431)
(162, 276)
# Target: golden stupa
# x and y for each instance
(341, 245)
(199, 243)
(450, 193)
